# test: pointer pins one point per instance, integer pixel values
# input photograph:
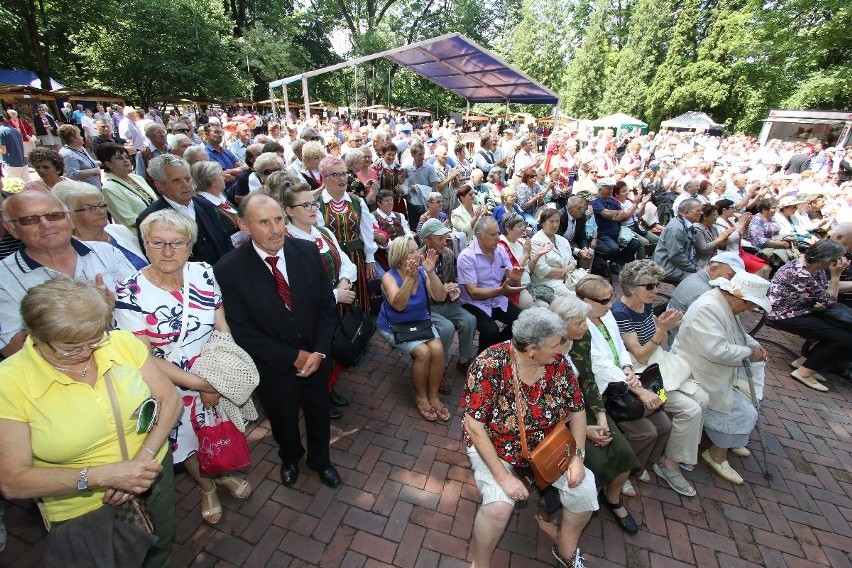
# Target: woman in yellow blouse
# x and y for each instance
(60, 443)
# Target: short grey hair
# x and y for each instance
(416, 146)
(170, 219)
(483, 222)
(570, 308)
(575, 201)
(635, 272)
(203, 173)
(157, 166)
(687, 204)
(69, 192)
(192, 154)
(152, 126)
(824, 250)
(352, 157)
(534, 326)
(434, 196)
(267, 159)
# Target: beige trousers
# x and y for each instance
(687, 415)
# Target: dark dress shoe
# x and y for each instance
(330, 477)
(289, 474)
(338, 400)
(463, 367)
(627, 523)
(334, 413)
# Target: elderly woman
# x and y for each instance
(465, 216)
(726, 220)
(301, 211)
(362, 182)
(46, 129)
(348, 218)
(486, 193)
(49, 166)
(125, 193)
(59, 440)
(520, 255)
(646, 337)
(529, 199)
(312, 153)
(208, 181)
(434, 205)
(765, 234)
(407, 288)
(801, 292)
(714, 345)
(265, 165)
(556, 261)
(611, 362)
(608, 454)
(789, 224)
(88, 210)
(532, 364)
(154, 304)
(79, 164)
(508, 204)
(707, 238)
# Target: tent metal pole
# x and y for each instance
(286, 107)
(468, 108)
(272, 102)
(305, 97)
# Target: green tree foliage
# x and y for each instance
(586, 76)
(649, 32)
(159, 48)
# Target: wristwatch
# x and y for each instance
(83, 480)
(580, 453)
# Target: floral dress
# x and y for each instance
(489, 397)
(155, 314)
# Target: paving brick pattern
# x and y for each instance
(408, 498)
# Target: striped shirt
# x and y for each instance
(632, 322)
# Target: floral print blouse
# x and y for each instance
(795, 291)
(489, 398)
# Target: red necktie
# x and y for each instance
(280, 282)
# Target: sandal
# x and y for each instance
(628, 489)
(428, 413)
(810, 382)
(676, 480)
(443, 414)
(210, 506)
(627, 522)
(445, 387)
(239, 488)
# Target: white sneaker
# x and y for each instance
(628, 489)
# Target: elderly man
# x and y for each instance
(43, 226)
(128, 130)
(448, 316)
(674, 252)
(422, 179)
(232, 167)
(281, 310)
(486, 276)
(572, 226)
(105, 136)
(238, 147)
(155, 145)
(723, 265)
(171, 176)
(608, 217)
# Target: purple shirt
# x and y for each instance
(473, 267)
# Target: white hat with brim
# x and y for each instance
(731, 259)
(748, 287)
(789, 201)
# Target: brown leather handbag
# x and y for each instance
(552, 456)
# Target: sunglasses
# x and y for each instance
(180, 129)
(34, 219)
(269, 172)
(602, 302)
(650, 286)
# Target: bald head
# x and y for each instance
(24, 200)
(843, 235)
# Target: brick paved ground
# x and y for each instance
(408, 497)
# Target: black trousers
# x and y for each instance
(489, 331)
(282, 396)
(833, 347)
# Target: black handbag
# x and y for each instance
(351, 336)
(624, 406)
(420, 330)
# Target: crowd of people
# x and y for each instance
(146, 241)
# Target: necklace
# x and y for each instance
(82, 373)
(158, 283)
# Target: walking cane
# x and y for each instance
(756, 403)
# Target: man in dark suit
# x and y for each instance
(572, 226)
(171, 176)
(281, 310)
(800, 162)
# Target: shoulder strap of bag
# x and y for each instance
(116, 415)
(516, 377)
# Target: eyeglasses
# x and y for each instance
(603, 302)
(337, 175)
(649, 286)
(180, 129)
(308, 205)
(77, 350)
(35, 219)
(269, 172)
(91, 208)
(175, 245)
(311, 138)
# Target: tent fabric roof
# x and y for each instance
(25, 78)
(617, 120)
(692, 119)
(459, 65)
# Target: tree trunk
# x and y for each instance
(41, 54)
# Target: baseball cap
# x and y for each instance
(732, 259)
(606, 182)
(405, 128)
(433, 227)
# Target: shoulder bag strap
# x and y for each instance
(516, 377)
(116, 415)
